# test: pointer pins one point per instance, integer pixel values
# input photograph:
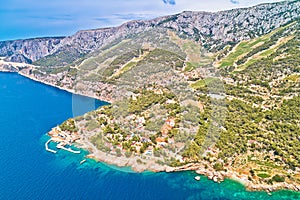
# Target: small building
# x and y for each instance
(148, 152)
(140, 120)
(170, 101)
(160, 139)
(170, 122)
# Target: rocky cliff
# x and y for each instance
(214, 30)
(28, 50)
(166, 79)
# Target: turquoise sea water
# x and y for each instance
(29, 109)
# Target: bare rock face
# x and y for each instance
(28, 50)
(214, 30)
(234, 25)
(17, 57)
(88, 40)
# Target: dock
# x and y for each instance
(47, 148)
(61, 146)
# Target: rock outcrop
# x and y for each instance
(28, 50)
(214, 30)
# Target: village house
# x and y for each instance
(169, 124)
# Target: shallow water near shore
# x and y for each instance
(28, 110)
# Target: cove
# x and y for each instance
(28, 110)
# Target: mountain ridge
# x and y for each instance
(213, 29)
(223, 107)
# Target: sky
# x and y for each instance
(22, 19)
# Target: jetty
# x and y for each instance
(61, 146)
(47, 148)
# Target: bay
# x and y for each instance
(28, 110)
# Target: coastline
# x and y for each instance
(23, 69)
(62, 88)
(199, 168)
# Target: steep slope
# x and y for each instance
(28, 50)
(213, 30)
(188, 95)
(242, 125)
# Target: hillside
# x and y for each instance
(211, 92)
(213, 30)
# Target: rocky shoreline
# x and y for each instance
(24, 70)
(216, 176)
(200, 168)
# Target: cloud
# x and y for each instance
(134, 16)
(171, 2)
(52, 18)
(118, 19)
(234, 1)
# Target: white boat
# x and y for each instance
(197, 178)
(83, 161)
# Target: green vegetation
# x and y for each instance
(61, 58)
(121, 60)
(147, 99)
(174, 60)
(97, 140)
(263, 175)
(126, 57)
(128, 67)
(92, 125)
(247, 49)
(254, 129)
(242, 48)
(293, 77)
(154, 125)
(278, 178)
(69, 125)
(218, 166)
(189, 66)
(204, 82)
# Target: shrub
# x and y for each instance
(218, 166)
(278, 178)
(263, 175)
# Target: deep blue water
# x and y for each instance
(29, 109)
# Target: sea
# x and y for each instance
(28, 110)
